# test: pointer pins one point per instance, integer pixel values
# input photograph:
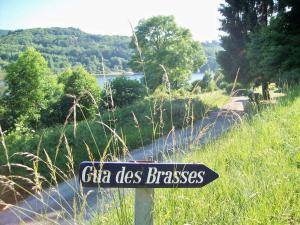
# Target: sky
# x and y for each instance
(111, 16)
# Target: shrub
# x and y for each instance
(3, 113)
(223, 85)
(218, 78)
(121, 92)
(206, 84)
(229, 87)
(196, 85)
(82, 86)
(207, 78)
(212, 86)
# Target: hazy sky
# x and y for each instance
(110, 16)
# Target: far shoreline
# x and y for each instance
(116, 74)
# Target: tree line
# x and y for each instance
(69, 47)
(262, 43)
(63, 47)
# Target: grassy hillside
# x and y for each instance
(68, 46)
(259, 167)
(137, 125)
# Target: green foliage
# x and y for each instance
(241, 18)
(231, 87)
(233, 56)
(162, 43)
(29, 89)
(130, 122)
(64, 75)
(3, 112)
(274, 52)
(121, 92)
(82, 88)
(262, 42)
(258, 163)
(2, 75)
(63, 47)
(211, 50)
(207, 78)
(207, 83)
(2, 84)
(53, 113)
(218, 78)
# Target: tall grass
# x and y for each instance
(129, 122)
(33, 161)
(258, 163)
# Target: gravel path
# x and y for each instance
(59, 201)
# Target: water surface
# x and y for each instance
(106, 78)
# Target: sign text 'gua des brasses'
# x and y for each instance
(145, 175)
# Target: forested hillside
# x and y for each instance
(64, 47)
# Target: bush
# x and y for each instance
(196, 85)
(80, 85)
(3, 114)
(212, 86)
(207, 78)
(122, 92)
(218, 78)
(207, 84)
(223, 85)
(229, 87)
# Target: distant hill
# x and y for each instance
(64, 47)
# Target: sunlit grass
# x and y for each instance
(216, 98)
(258, 163)
(34, 161)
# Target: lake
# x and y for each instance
(102, 79)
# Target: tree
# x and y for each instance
(236, 26)
(241, 20)
(81, 86)
(63, 47)
(27, 89)
(274, 52)
(54, 93)
(211, 49)
(162, 43)
(122, 91)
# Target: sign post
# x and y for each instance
(144, 177)
(144, 206)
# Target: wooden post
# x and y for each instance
(144, 206)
